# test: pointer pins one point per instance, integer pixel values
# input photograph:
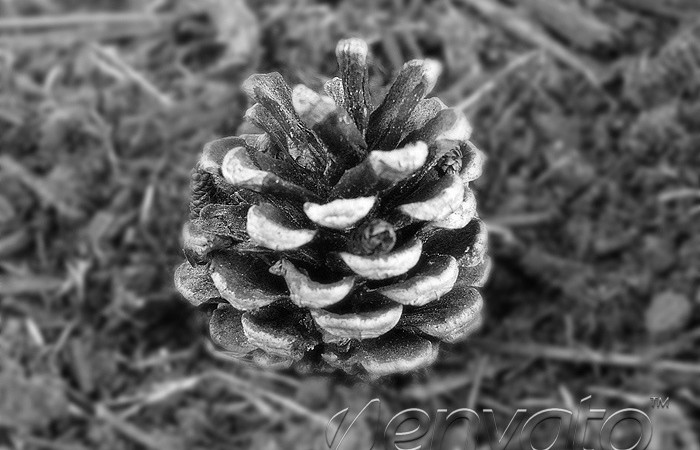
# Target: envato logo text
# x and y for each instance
(414, 429)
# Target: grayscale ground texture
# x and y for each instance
(588, 111)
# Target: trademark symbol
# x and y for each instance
(659, 402)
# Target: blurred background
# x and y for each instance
(588, 110)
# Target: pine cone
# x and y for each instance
(353, 242)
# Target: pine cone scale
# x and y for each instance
(416, 79)
(436, 278)
(372, 320)
(306, 293)
(352, 61)
(446, 318)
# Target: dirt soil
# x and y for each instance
(588, 110)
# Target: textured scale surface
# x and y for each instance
(342, 236)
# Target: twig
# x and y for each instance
(476, 385)
(567, 397)
(34, 332)
(522, 219)
(110, 56)
(636, 399)
(493, 82)
(11, 117)
(515, 24)
(129, 430)
(677, 345)
(78, 20)
(655, 7)
(61, 341)
(146, 209)
(496, 405)
(39, 443)
(284, 402)
(678, 194)
(694, 211)
(159, 393)
(222, 356)
(14, 242)
(689, 396)
(587, 356)
(44, 190)
(29, 284)
(162, 359)
(65, 38)
(569, 20)
(436, 387)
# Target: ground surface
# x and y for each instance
(587, 110)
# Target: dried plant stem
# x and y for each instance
(493, 82)
(44, 190)
(654, 7)
(437, 387)
(679, 194)
(34, 23)
(112, 58)
(587, 356)
(511, 21)
(523, 219)
(14, 242)
(274, 376)
(63, 38)
(30, 284)
(128, 430)
(680, 343)
(284, 402)
(40, 443)
(633, 398)
(476, 384)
